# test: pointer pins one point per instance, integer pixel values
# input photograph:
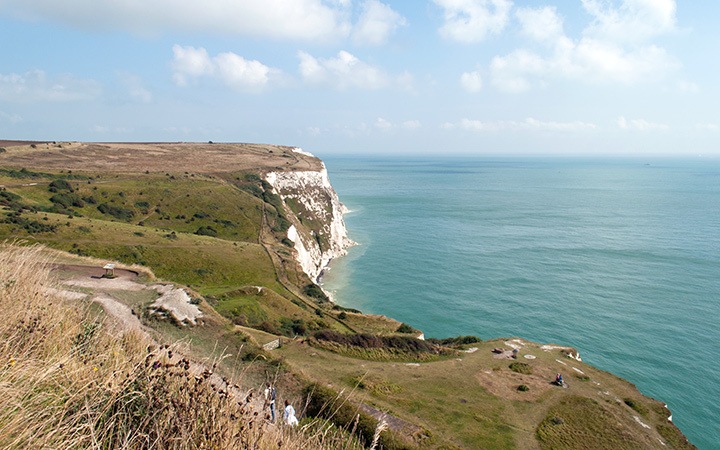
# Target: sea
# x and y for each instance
(617, 257)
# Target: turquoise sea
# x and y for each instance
(619, 258)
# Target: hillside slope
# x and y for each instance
(245, 230)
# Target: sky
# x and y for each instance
(465, 77)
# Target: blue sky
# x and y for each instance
(489, 77)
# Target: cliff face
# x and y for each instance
(312, 206)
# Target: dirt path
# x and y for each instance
(122, 314)
(124, 320)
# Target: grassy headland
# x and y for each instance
(201, 216)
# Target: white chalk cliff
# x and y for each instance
(314, 209)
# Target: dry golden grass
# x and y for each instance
(65, 383)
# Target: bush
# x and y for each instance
(523, 388)
(67, 200)
(60, 185)
(290, 327)
(316, 292)
(12, 201)
(456, 341)
(519, 367)
(31, 226)
(116, 211)
(405, 328)
(367, 341)
(325, 402)
(206, 231)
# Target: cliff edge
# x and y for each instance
(318, 229)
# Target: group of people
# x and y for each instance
(288, 412)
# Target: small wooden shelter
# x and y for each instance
(109, 270)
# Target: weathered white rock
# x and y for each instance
(312, 193)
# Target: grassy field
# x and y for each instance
(473, 401)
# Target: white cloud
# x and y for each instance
(242, 74)
(190, 62)
(383, 124)
(595, 57)
(473, 20)
(708, 127)
(314, 131)
(510, 72)
(471, 81)
(631, 20)
(342, 72)
(238, 73)
(37, 86)
(540, 24)
(135, 88)
(300, 19)
(577, 125)
(411, 124)
(376, 23)
(529, 124)
(639, 125)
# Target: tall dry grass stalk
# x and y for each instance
(66, 383)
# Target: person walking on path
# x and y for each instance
(290, 418)
(270, 395)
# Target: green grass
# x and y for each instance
(580, 419)
(465, 400)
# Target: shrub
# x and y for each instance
(67, 200)
(521, 368)
(523, 388)
(368, 341)
(405, 328)
(206, 231)
(316, 292)
(60, 185)
(455, 341)
(31, 226)
(12, 201)
(116, 211)
(290, 327)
